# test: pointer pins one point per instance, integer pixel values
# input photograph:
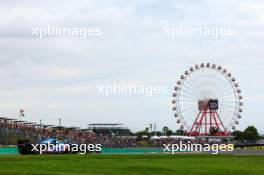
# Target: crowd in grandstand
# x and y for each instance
(37, 133)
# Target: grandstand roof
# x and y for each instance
(45, 126)
(31, 123)
(19, 121)
(105, 124)
(58, 127)
(73, 128)
(9, 119)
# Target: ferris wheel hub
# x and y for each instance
(211, 104)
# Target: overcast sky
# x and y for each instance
(57, 77)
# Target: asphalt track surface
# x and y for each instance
(245, 152)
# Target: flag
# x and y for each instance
(21, 113)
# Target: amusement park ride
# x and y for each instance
(207, 101)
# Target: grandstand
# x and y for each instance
(109, 135)
(115, 129)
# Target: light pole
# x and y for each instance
(40, 123)
(155, 128)
(59, 122)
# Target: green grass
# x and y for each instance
(98, 164)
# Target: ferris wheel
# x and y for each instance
(207, 101)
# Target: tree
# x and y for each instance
(158, 133)
(169, 133)
(144, 132)
(164, 130)
(147, 129)
(214, 131)
(250, 134)
(180, 132)
(238, 135)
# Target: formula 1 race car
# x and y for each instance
(47, 146)
(25, 147)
